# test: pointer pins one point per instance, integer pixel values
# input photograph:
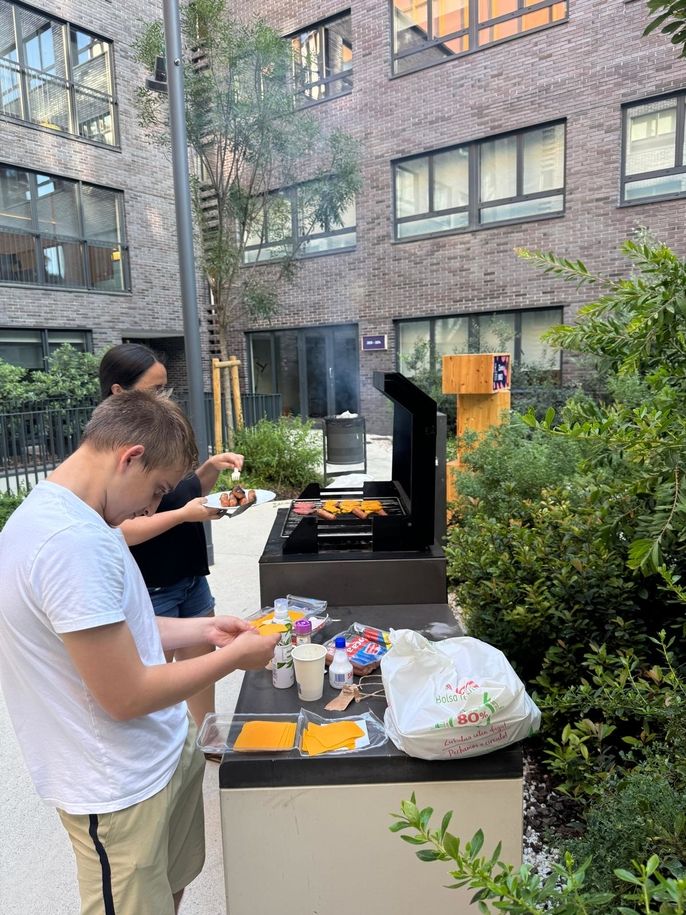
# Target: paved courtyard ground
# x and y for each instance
(37, 872)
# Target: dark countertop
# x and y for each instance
(385, 764)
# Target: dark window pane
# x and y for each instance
(77, 339)
(17, 258)
(62, 263)
(15, 199)
(413, 346)
(48, 101)
(544, 159)
(320, 55)
(106, 265)
(102, 214)
(22, 347)
(499, 168)
(57, 206)
(412, 187)
(43, 42)
(90, 59)
(94, 117)
(650, 137)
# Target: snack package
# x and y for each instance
(364, 645)
(263, 620)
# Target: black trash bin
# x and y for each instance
(344, 442)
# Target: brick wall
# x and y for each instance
(581, 70)
(141, 170)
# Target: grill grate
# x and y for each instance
(346, 526)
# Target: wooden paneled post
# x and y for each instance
(231, 364)
(482, 384)
(217, 404)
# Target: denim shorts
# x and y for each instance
(187, 598)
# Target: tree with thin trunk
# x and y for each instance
(265, 177)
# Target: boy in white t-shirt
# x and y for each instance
(99, 715)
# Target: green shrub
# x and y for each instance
(283, 456)
(511, 464)
(541, 583)
(8, 502)
(637, 816)
(71, 379)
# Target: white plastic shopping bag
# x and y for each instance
(453, 699)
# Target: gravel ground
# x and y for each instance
(546, 814)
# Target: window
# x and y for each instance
(31, 349)
(427, 32)
(292, 220)
(514, 177)
(654, 162)
(59, 232)
(56, 75)
(323, 60)
(422, 342)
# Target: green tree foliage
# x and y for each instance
(670, 19)
(248, 141)
(71, 380)
(636, 328)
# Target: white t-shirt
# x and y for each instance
(63, 569)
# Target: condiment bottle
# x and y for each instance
(340, 669)
(283, 674)
(302, 632)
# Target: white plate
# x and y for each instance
(261, 495)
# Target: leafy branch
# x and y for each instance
(520, 891)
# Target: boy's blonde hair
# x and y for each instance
(144, 418)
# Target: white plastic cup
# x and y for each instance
(308, 661)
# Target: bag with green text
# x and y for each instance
(453, 699)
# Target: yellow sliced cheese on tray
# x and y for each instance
(265, 735)
(326, 738)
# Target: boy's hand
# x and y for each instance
(253, 650)
(224, 629)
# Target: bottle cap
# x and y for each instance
(340, 641)
(281, 607)
(303, 627)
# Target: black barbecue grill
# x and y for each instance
(391, 557)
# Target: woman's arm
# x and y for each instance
(137, 530)
(210, 470)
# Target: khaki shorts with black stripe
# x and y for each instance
(133, 861)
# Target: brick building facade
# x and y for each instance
(60, 128)
(578, 71)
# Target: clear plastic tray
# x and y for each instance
(218, 732)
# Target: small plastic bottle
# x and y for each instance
(302, 632)
(340, 669)
(283, 674)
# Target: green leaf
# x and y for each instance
(428, 855)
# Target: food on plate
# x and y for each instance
(237, 496)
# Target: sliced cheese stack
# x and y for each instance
(326, 738)
(259, 736)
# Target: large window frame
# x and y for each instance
(45, 340)
(314, 79)
(334, 239)
(657, 176)
(472, 334)
(53, 215)
(32, 94)
(475, 32)
(469, 216)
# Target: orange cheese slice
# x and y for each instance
(265, 735)
(326, 738)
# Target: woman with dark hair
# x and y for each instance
(170, 546)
